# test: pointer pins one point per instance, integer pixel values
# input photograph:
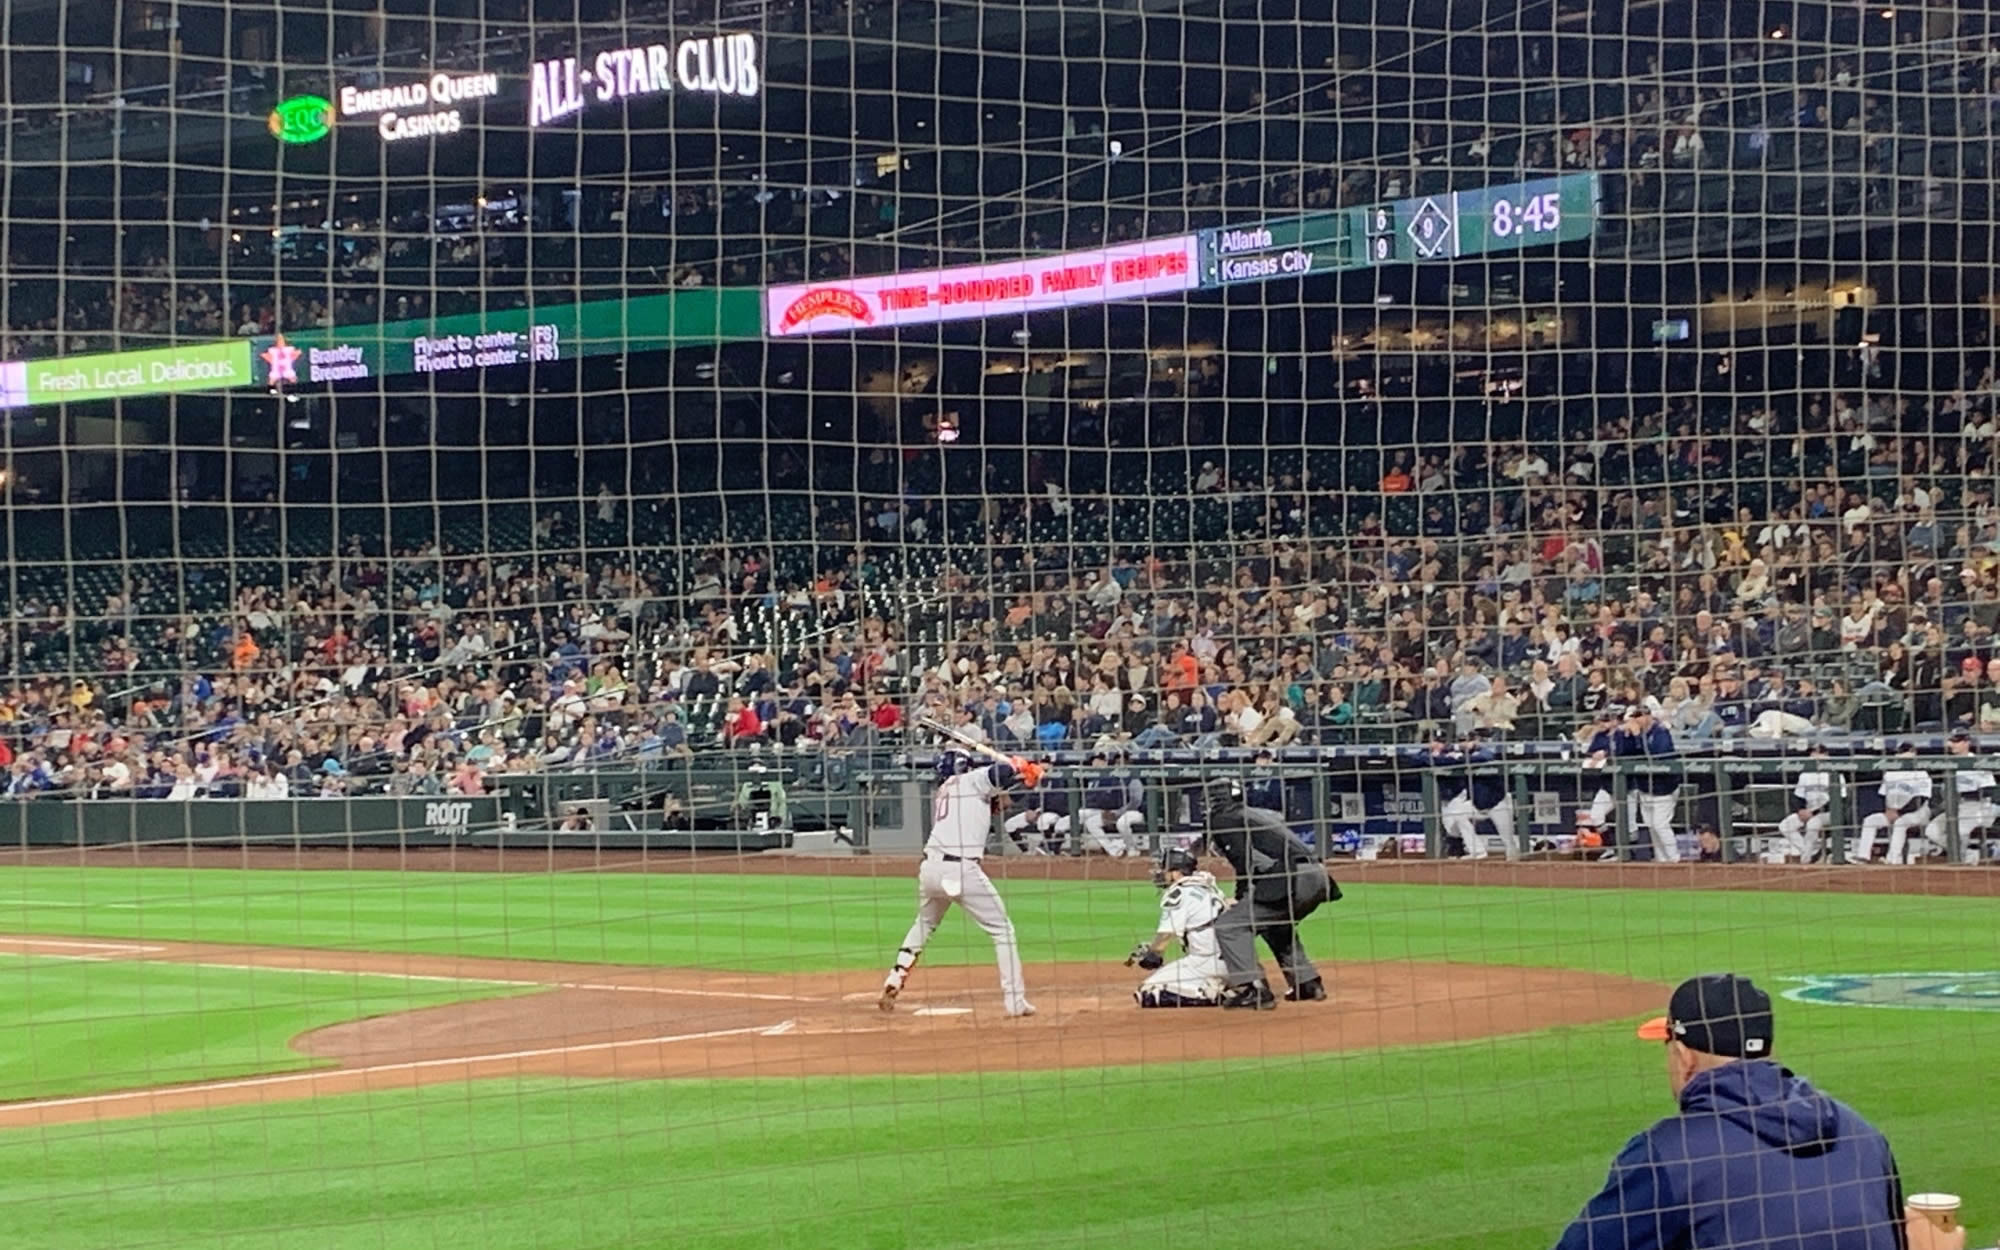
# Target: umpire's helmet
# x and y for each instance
(951, 763)
(1222, 790)
(1173, 859)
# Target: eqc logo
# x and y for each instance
(302, 119)
(1934, 991)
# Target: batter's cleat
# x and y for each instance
(1313, 991)
(887, 1002)
(1610, 853)
(1256, 996)
(1021, 1009)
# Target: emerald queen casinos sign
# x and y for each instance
(302, 119)
(1936, 991)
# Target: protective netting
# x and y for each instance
(593, 435)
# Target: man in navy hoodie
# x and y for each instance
(1756, 1158)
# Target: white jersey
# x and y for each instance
(1814, 791)
(1902, 787)
(1189, 912)
(962, 814)
(1974, 780)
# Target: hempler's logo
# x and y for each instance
(1936, 991)
(826, 301)
(302, 119)
(448, 820)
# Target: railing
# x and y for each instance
(1346, 800)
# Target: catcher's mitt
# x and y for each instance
(1146, 957)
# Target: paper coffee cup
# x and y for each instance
(1939, 1209)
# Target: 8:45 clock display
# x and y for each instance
(1529, 216)
(1526, 214)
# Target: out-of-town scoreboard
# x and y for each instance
(1421, 228)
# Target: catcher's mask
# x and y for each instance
(1173, 859)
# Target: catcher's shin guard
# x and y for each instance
(1168, 998)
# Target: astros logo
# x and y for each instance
(1936, 991)
(283, 360)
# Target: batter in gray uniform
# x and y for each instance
(1279, 882)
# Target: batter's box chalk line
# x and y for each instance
(76, 952)
(330, 1075)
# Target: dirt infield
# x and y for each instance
(1937, 880)
(581, 1021)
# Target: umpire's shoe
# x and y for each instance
(1256, 996)
(1313, 991)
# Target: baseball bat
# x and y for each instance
(970, 744)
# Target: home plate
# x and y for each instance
(942, 1011)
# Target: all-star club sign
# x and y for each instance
(431, 106)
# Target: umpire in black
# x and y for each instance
(1279, 882)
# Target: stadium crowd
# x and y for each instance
(1905, 124)
(1786, 562)
(1760, 567)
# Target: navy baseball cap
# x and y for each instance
(1718, 1014)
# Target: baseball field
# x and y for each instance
(244, 1058)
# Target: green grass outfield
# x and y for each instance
(70, 1026)
(1488, 1143)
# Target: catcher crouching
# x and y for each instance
(1188, 913)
